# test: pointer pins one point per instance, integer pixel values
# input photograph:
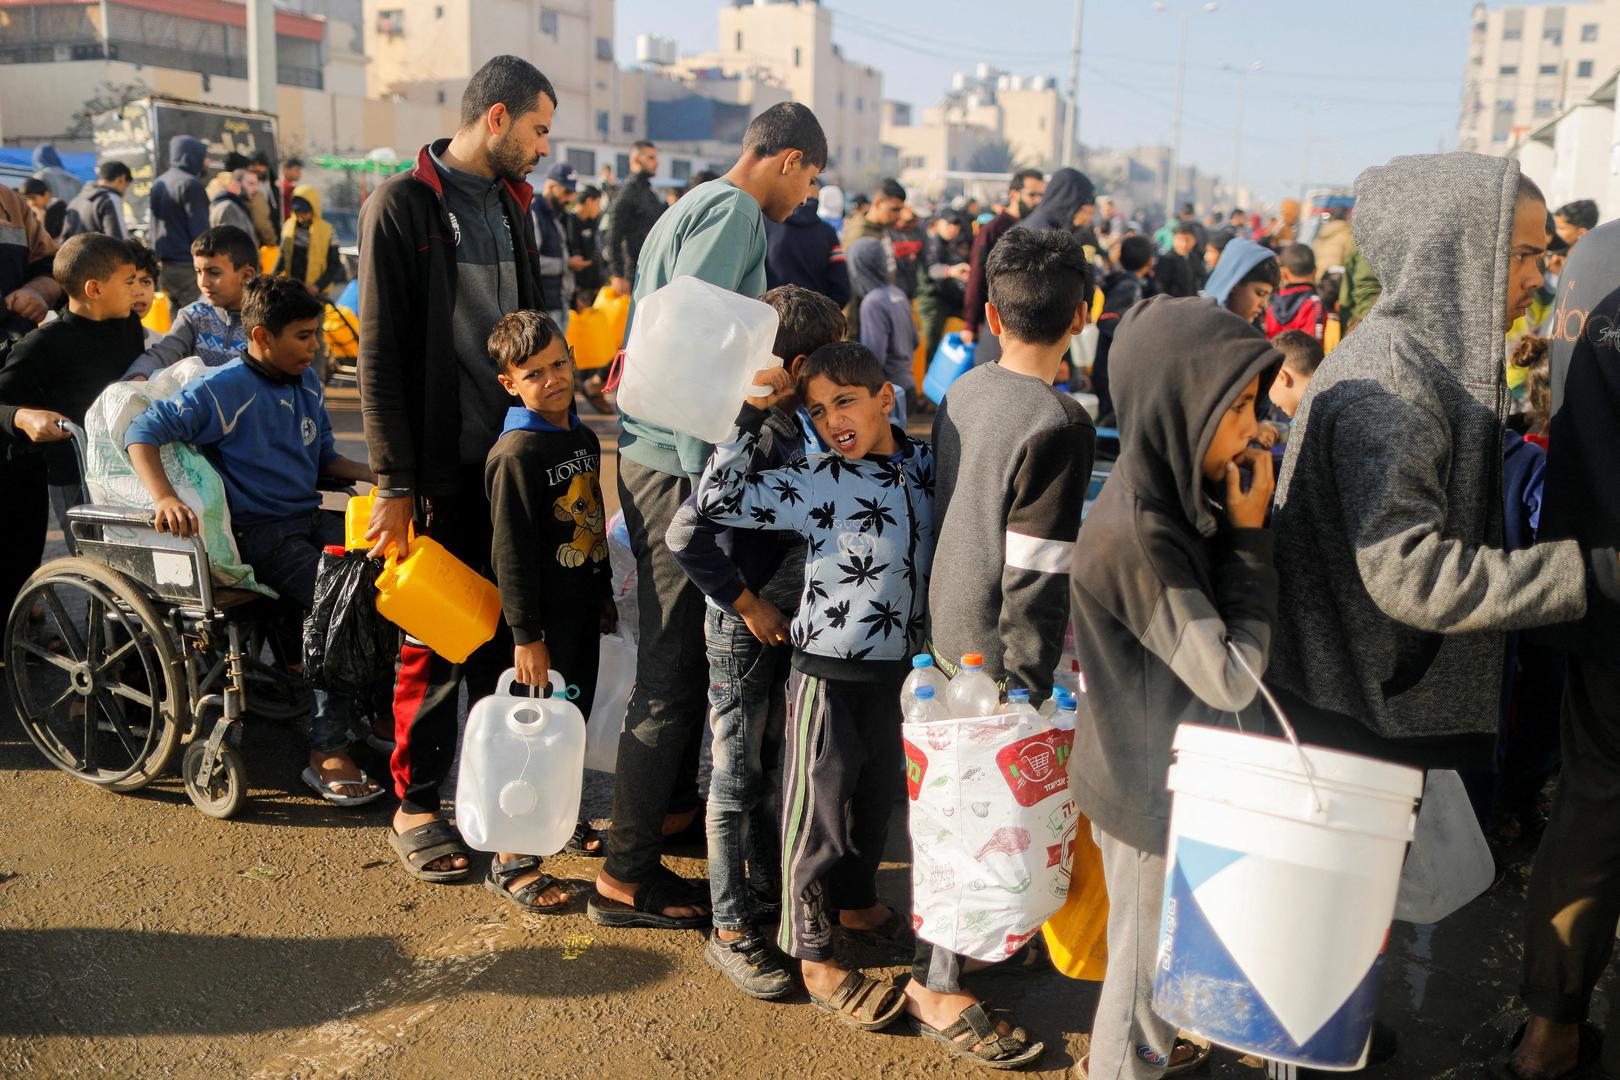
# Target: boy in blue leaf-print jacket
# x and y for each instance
(865, 509)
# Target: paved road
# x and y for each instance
(139, 939)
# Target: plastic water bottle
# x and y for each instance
(1064, 718)
(923, 673)
(925, 707)
(1018, 704)
(972, 692)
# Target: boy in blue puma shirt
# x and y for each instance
(261, 421)
(865, 509)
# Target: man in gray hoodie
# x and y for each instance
(1396, 592)
(178, 206)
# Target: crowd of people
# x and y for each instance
(1375, 469)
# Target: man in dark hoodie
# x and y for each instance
(179, 213)
(446, 249)
(804, 251)
(636, 209)
(99, 207)
(1025, 191)
(1173, 593)
(1574, 900)
(63, 184)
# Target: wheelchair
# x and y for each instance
(147, 655)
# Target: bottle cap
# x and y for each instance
(1064, 698)
(336, 549)
(1019, 694)
(973, 660)
(922, 660)
(925, 693)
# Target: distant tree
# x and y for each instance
(995, 156)
(107, 97)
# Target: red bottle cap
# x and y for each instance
(336, 549)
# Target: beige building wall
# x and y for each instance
(1032, 122)
(1528, 63)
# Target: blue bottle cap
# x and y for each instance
(1019, 695)
(922, 660)
(1064, 698)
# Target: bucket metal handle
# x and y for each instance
(1288, 729)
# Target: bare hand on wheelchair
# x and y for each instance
(171, 515)
(41, 425)
(531, 663)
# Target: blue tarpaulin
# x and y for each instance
(82, 165)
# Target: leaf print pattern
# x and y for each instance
(872, 515)
(860, 571)
(825, 516)
(885, 619)
(838, 615)
(787, 491)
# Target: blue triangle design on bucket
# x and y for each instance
(1198, 861)
(1201, 988)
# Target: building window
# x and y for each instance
(583, 161)
(604, 123)
(1547, 69)
(1512, 33)
(1508, 69)
(739, 41)
(1504, 105)
(860, 104)
(795, 56)
(680, 169)
(1589, 32)
(548, 22)
(621, 166)
(628, 124)
(604, 49)
(1553, 34)
(391, 22)
(1545, 107)
(438, 11)
(857, 155)
(441, 97)
(1583, 70)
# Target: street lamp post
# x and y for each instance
(1243, 74)
(1071, 130)
(1172, 178)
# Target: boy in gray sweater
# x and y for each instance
(1014, 458)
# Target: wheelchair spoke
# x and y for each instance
(64, 625)
(129, 693)
(115, 716)
(89, 759)
(116, 655)
(33, 648)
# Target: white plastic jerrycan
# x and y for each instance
(521, 760)
(692, 355)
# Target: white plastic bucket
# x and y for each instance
(1279, 891)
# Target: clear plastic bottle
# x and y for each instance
(1064, 718)
(925, 708)
(972, 692)
(1018, 704)
(923, 673)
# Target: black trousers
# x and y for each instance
(22, 542)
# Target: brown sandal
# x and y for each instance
(860, 995)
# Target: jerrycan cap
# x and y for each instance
(518, 797)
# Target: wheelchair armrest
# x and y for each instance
(112, 515)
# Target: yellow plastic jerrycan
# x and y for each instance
(430, 594)
(158, 316)
(1077, 936)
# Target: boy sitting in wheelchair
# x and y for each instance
(261, 420)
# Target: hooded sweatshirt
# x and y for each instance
(1334, 241)
(231, 208)
(1066, 192)
(1159, 583)
(48, 167)
(886, 326)
(804, 250)
(179, 202)
(1237, 259)
(96, 208)
(309, 254)
(1395, 591)
(1581, 501)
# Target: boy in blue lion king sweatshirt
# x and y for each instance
(261, 421)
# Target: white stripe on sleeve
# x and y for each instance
(1041, 556)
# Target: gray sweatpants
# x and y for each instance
(1128, 1040)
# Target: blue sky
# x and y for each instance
(1383, 78)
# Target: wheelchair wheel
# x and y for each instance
(94, 684)
(221, 793)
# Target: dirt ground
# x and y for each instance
(140, 939)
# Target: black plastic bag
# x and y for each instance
(348, 646)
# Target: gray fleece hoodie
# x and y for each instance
(1395, 592)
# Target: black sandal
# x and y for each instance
(983, 1046)
(425, 844)
(893, 934)
(584, 834)
(665, 889)
(526, 897)
(879, 1001)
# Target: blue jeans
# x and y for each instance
(748, 697)
(285, 555)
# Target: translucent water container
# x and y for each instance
(972, 693)
(521, 770)
(923, 673)
(691, 357)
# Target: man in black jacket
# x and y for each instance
(446, 249)
(99, 207)
(636, 210)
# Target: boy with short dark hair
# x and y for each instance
(1297, 306)
(1302, 355)
(1014, 460)
(548, 549)
(53, 376)
(1171, 573)
(865, 509)
(51, 211)
(1123, 290)
(211, 327)
(261, 421)
(752, 579)
(1575, 219)
(147, 272)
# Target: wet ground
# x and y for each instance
(140, 939)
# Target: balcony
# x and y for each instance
(138, 52)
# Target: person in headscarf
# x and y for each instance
(309, 247)
(886, 326)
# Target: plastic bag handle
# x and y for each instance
(1288, 728)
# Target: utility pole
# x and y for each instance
(261, 51)
(1173, 177)
(1071, 130)
(1237, 138)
